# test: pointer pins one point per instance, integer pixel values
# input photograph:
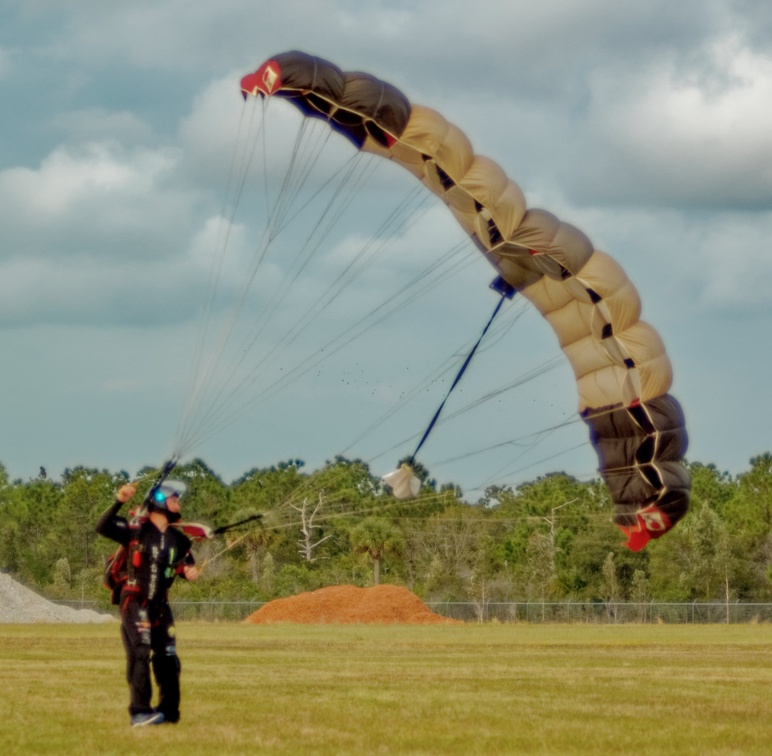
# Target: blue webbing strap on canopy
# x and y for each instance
(507, 292)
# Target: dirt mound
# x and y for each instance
(347, 604)
(21, 605)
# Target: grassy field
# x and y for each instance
(487, 689)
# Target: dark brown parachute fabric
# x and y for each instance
(623, 373)
(356, 104)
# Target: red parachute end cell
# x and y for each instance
(266, 80)
(637, 537)
(651, 523)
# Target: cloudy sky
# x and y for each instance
(648, 125)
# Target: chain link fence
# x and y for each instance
(606, 613)
(531, 611)
(694, 612)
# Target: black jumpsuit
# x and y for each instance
(147, 624)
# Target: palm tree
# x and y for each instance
(376, 538)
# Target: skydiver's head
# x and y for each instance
(166, 499)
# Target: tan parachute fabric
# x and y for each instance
(622, 371)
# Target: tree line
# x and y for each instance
(548, 539)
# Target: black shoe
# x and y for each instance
(170, 717)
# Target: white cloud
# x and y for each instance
(184, 36)
(706, 141)
(96, 234)
(69, 182)
(208, 133)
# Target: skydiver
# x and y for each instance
(157, 554)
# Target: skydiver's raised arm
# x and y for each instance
(112, 526)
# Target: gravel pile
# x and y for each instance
(21, 605)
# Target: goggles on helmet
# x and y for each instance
(164, 492)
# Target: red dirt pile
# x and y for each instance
(347, 604)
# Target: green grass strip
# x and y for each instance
(467, 689)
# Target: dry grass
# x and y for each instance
(486, 689)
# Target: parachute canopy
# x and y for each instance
(622, 371)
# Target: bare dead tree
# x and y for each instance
(307, 543)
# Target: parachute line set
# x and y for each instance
(623, 374)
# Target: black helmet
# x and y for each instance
(166, 490)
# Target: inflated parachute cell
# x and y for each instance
(622, 371)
